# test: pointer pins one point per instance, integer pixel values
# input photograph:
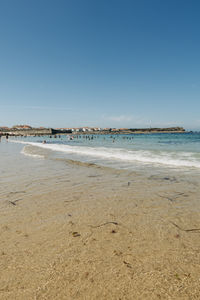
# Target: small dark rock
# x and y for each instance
(75, 234)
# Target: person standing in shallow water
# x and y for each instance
(6, 136)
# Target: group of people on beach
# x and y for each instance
(87, 137)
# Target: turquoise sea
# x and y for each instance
(175, 151)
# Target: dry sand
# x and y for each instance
(101, 234)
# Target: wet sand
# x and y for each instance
(98, 233)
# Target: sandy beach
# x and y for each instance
(99, 233)
(99, 150)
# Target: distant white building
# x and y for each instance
(82, 129)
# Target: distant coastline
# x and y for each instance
(24, 130)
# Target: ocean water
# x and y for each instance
(141, 152)
(31, 168)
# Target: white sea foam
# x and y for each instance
(27, 153)
(167, 158)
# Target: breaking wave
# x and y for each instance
(28, 152)
(167, 158)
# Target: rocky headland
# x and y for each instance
(51, 131)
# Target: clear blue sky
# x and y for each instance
(100, 63)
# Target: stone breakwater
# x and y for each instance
(144, 130)
(51, 131)
(32, 132)
(135, 131)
